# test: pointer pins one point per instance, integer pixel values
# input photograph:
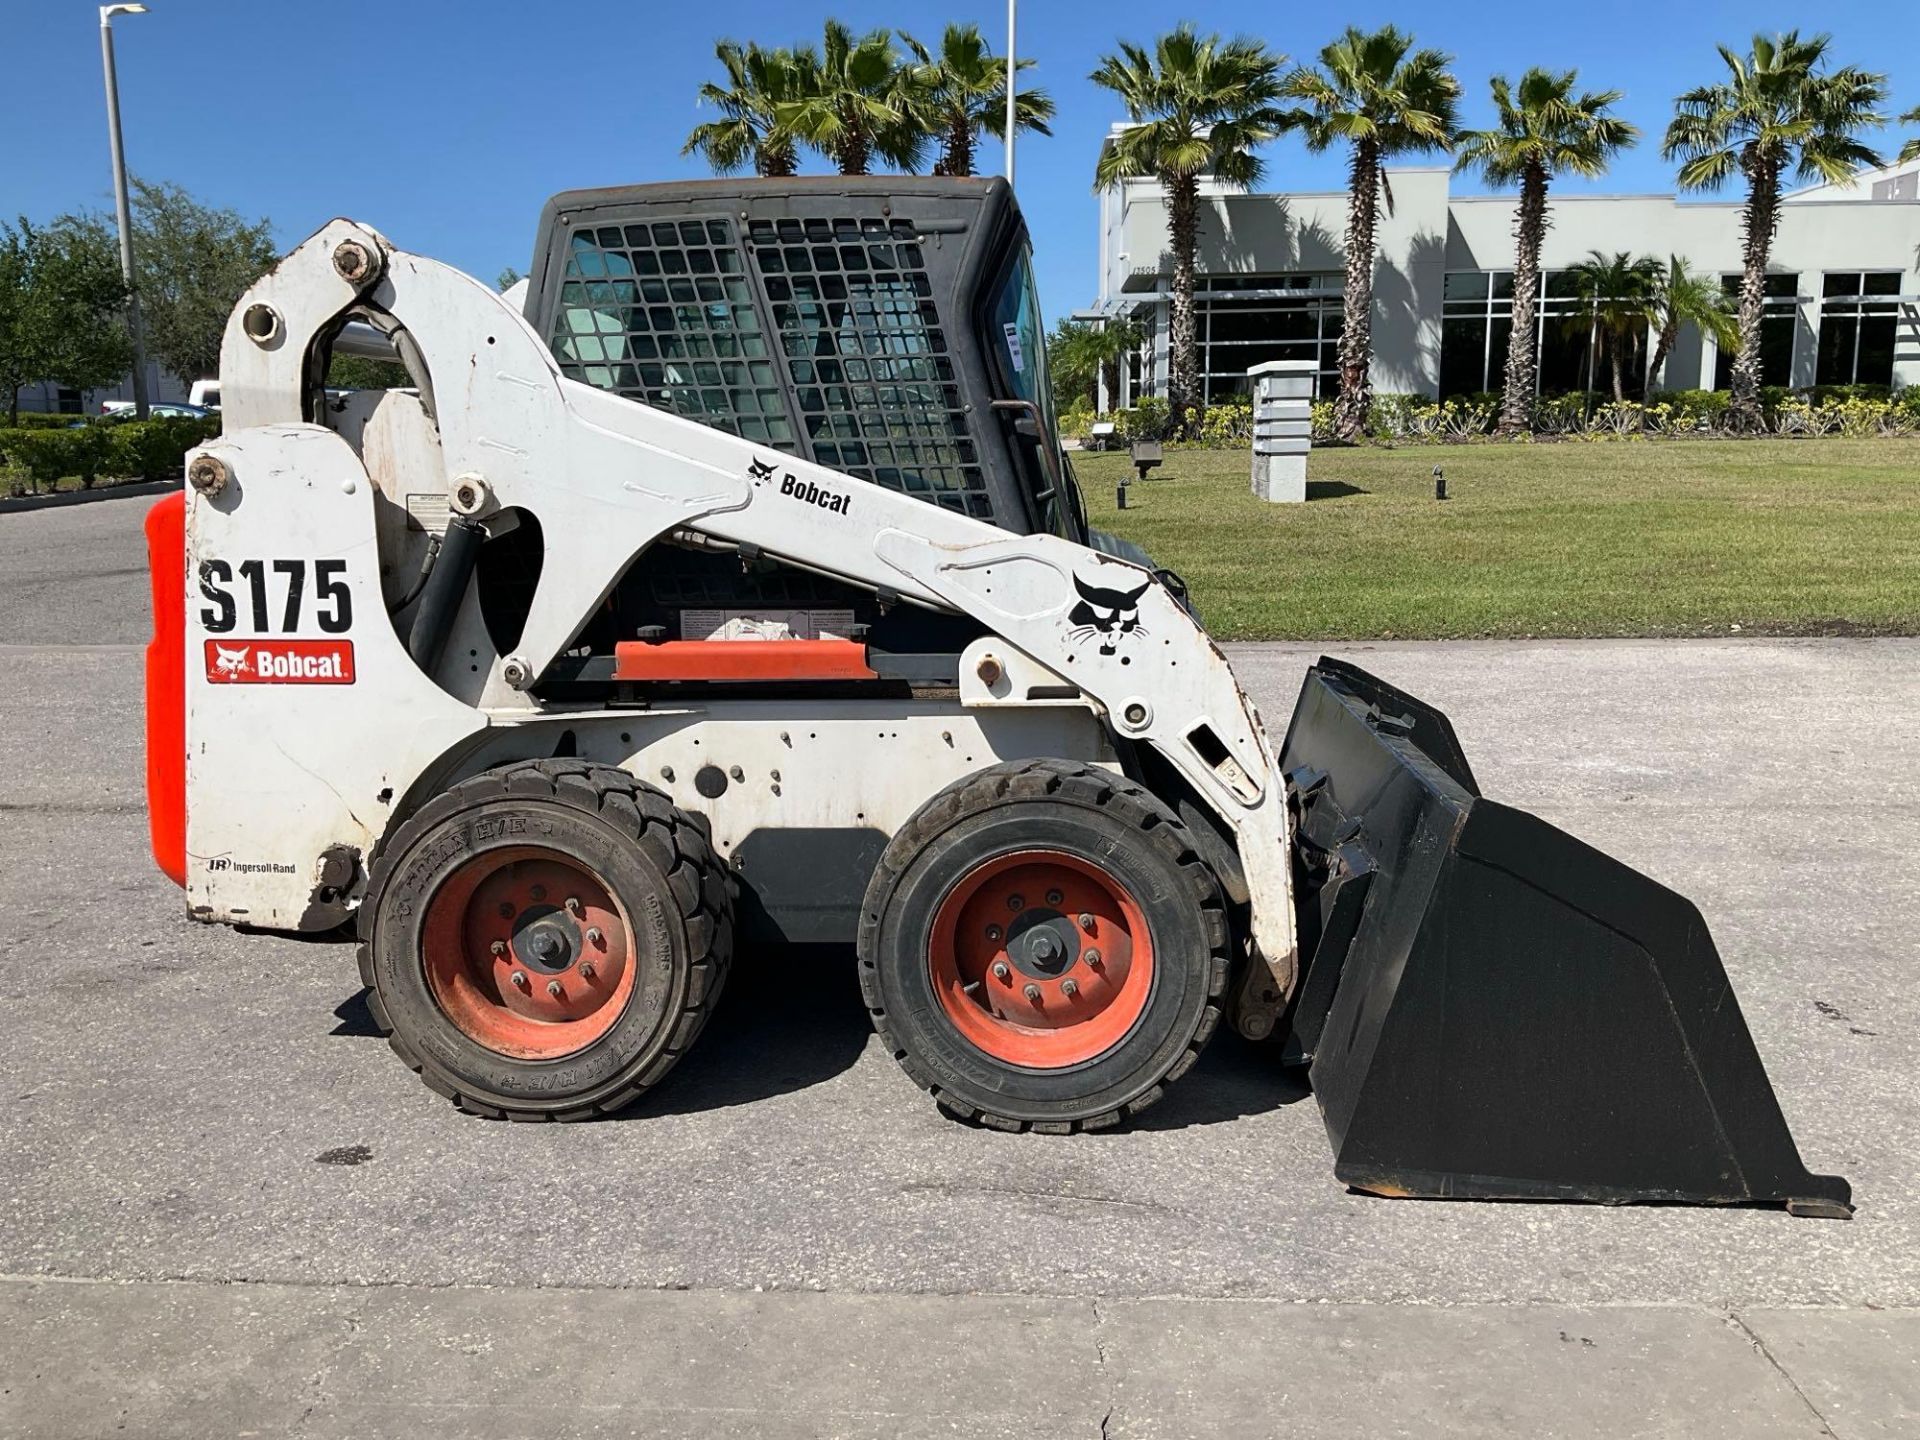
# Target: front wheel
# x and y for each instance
(1042, 947)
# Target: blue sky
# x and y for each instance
(445, 125)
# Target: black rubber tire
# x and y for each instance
(1107, 819)
(641, 846)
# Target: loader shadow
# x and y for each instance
(1234, 1078)
(791, 1018)
(356, 1020)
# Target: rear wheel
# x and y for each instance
(545, 940)
(1042, 947)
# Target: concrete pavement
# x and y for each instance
(203, 1121)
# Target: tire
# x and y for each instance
(579, 1002)
(1121, 901)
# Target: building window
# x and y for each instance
(1776, 332)
(1857, 329)
(1248, 320)
(1476, 325)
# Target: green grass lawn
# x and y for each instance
(1617, 538)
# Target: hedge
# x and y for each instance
(126, 449)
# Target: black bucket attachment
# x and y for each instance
(1493, 1009)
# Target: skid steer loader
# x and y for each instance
(734, 583)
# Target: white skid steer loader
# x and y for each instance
(734, 582)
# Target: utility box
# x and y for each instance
(1282, 428)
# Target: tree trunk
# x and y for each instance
(1183, 386)
(13, 408)
(1110, 374)
(956, 155)
(1619, 369)
(1761, 219)
(853, 149)
(1356, 337)
(776, 160)
(1663, 347)
(1523, 346)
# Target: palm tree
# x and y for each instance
(1545, 129)
(1109, 346)
(1385, 99)
(1910, 150)
(1775, 109)
(1199, 105)
(857, 103)
(750, 132)
(1617, 300)
(1683, 297)
(962, 90)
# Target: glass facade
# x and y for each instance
(1476, 326)
(1856, 328)
(1247, 320)
(1777, 324)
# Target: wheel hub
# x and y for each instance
(516, 972)
(1041, 984)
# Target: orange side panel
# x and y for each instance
(742, 660)
(167, 686)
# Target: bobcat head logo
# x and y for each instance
(758, 470)
(233, 662)
(1106, 614)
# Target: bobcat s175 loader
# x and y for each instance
(734, 584)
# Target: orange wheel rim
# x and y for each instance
(1041, 959)
(528, 953)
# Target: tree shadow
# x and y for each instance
(1333, 489)
(1233, 1079)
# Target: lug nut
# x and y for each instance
(1054, 897)
(539, 892)
(1092, 957)
(993, 932)
(1001, 972)
(1069, 988)
(594, 937)
(1033, 994)
(1016, 902)
(1086, 922)
(553, 989)
(499, 947)
(587, 971)
(519, 980)
(573, 904)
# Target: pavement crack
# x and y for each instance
(1760, 1346)
(1100, 1358)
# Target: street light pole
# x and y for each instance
(1013, 80)
(107, 12)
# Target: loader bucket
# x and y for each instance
(1492, 1009)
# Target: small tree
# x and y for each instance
(1617, 295)
(1911, 150)
(1073, 364)
(750, 133)
(62, 307)
(1198, 106)
(1382, 98)
(961, 89)
(1776, 110)
(1683, 297)
(193, 262)
(1545, 129)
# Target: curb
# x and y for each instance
(82, 497)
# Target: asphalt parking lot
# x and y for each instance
(207, 1119)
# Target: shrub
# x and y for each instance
(1227, 425)
(1149, 419)
(144, 448)
(38, 420)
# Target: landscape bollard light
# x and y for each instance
(1439, 483)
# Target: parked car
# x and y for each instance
(206, 393)
(165, 409)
